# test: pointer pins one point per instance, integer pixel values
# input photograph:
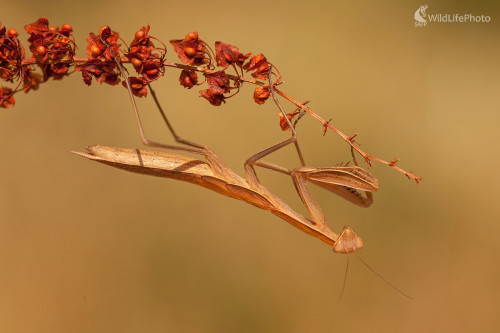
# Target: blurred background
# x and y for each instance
(88, 248)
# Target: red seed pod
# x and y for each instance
(188, 79)
(95, 50)
(12, 32)
(66, 28)
(103, 29)
(53, 29)
(189, 51)
(40, 49)
(140, 34)
(136, 62)
(261, 94)
(152, 72)
(185, 47)
(191, 36)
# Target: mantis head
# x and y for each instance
(347, 242)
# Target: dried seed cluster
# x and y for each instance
(53, 51)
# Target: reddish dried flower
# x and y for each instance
(40, 26)
(146, 58)
(214, 99)
(261, 94)
(96, 49)
(49, 42)
(56, 71)
(141, 37)
(262, 72)
(11, 55)
(102, 72)
(52, 47)
(218, 82)
(188, 79)
(101, 64)
(6, 97)
(190, 50)
(260, 64)
(108, 35)
(138, 86)
(218, 85)
(31, 80)
(283, 123)
(227, 54)
(255, 62)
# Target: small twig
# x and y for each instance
(349, 140)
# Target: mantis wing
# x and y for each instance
(345, 182)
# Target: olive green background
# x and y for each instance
(87, 248)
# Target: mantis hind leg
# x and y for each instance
(193, 147)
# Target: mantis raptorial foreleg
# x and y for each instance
(250, 171)
(255, 159)
(343, 181)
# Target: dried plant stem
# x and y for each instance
(349, 140)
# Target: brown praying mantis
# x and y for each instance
(344, 181)
(215, 176)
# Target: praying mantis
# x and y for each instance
(344, 181)
(215, 176)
